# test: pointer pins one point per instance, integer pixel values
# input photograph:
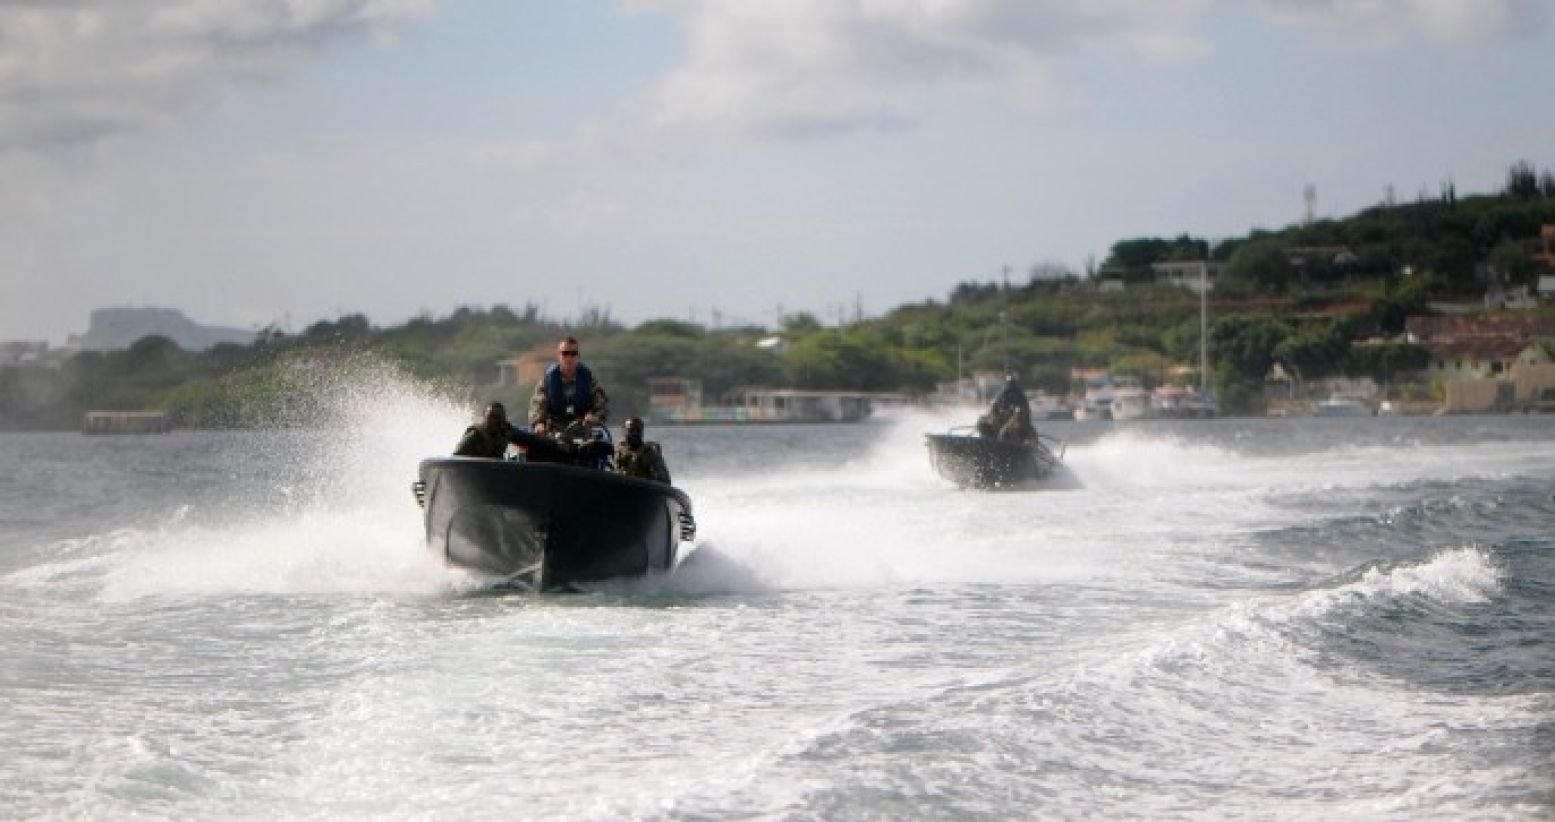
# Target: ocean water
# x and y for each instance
(1221, 619)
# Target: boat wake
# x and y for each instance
(1234, 709)
(328, 510)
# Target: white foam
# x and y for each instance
(1266, 628)
(1460, 575)
(348, 522)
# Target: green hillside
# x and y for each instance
(1303, 296)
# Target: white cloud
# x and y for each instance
(801, 68)
(1385, 24)
(73, 72)
(783, 68)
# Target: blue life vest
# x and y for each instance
(582, 393)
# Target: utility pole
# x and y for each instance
(1004, 330)
(1204, 332)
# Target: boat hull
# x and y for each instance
(977, 462)
(548, 526)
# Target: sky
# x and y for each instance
(721, 161)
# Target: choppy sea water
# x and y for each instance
(1228, 618)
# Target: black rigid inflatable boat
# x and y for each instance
(545, 526)
(970, 460)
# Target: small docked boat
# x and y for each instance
(1342, 406)
(973, 461)
(549, 525)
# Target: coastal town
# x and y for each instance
(1479, 359)
(1442, 306)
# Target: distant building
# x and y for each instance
(1547, 287)
(1333, 255)
(673, 398)
(1479, 358)
(792, 405)
(126, 422)
(1535, 385)
(1481, 346)
(973, 390)
(526, 368)
(1198, 276)
(113, 329)
(1524, 328)
(23, 352)
(1546, 244)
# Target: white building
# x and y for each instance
(1198, 276)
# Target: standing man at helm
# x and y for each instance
(568, 393)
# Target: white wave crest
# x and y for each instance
(339, 518)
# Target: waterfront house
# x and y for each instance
(674, 399)
(793, 405)
(1480, 358)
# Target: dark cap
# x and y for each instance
(634, 424)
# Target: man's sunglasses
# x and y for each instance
(569, 353)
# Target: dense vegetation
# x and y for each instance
(1305, 296)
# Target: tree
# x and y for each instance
(1243, 350)
(672, 328)
(800, 323)
(841, 360)
(1317, 350)
(1513, 260)
(353, 328)
(1522, 182)
(1261, 264)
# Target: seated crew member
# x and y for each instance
(568, 393)
(1009, 417)
(490, 437)
(636, 457)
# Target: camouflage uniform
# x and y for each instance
(599, 404)
(478, 441)
(1007, 421)
(1018, 427)
(646, 462)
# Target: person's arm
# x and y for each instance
(537, 406)
(599, 406)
